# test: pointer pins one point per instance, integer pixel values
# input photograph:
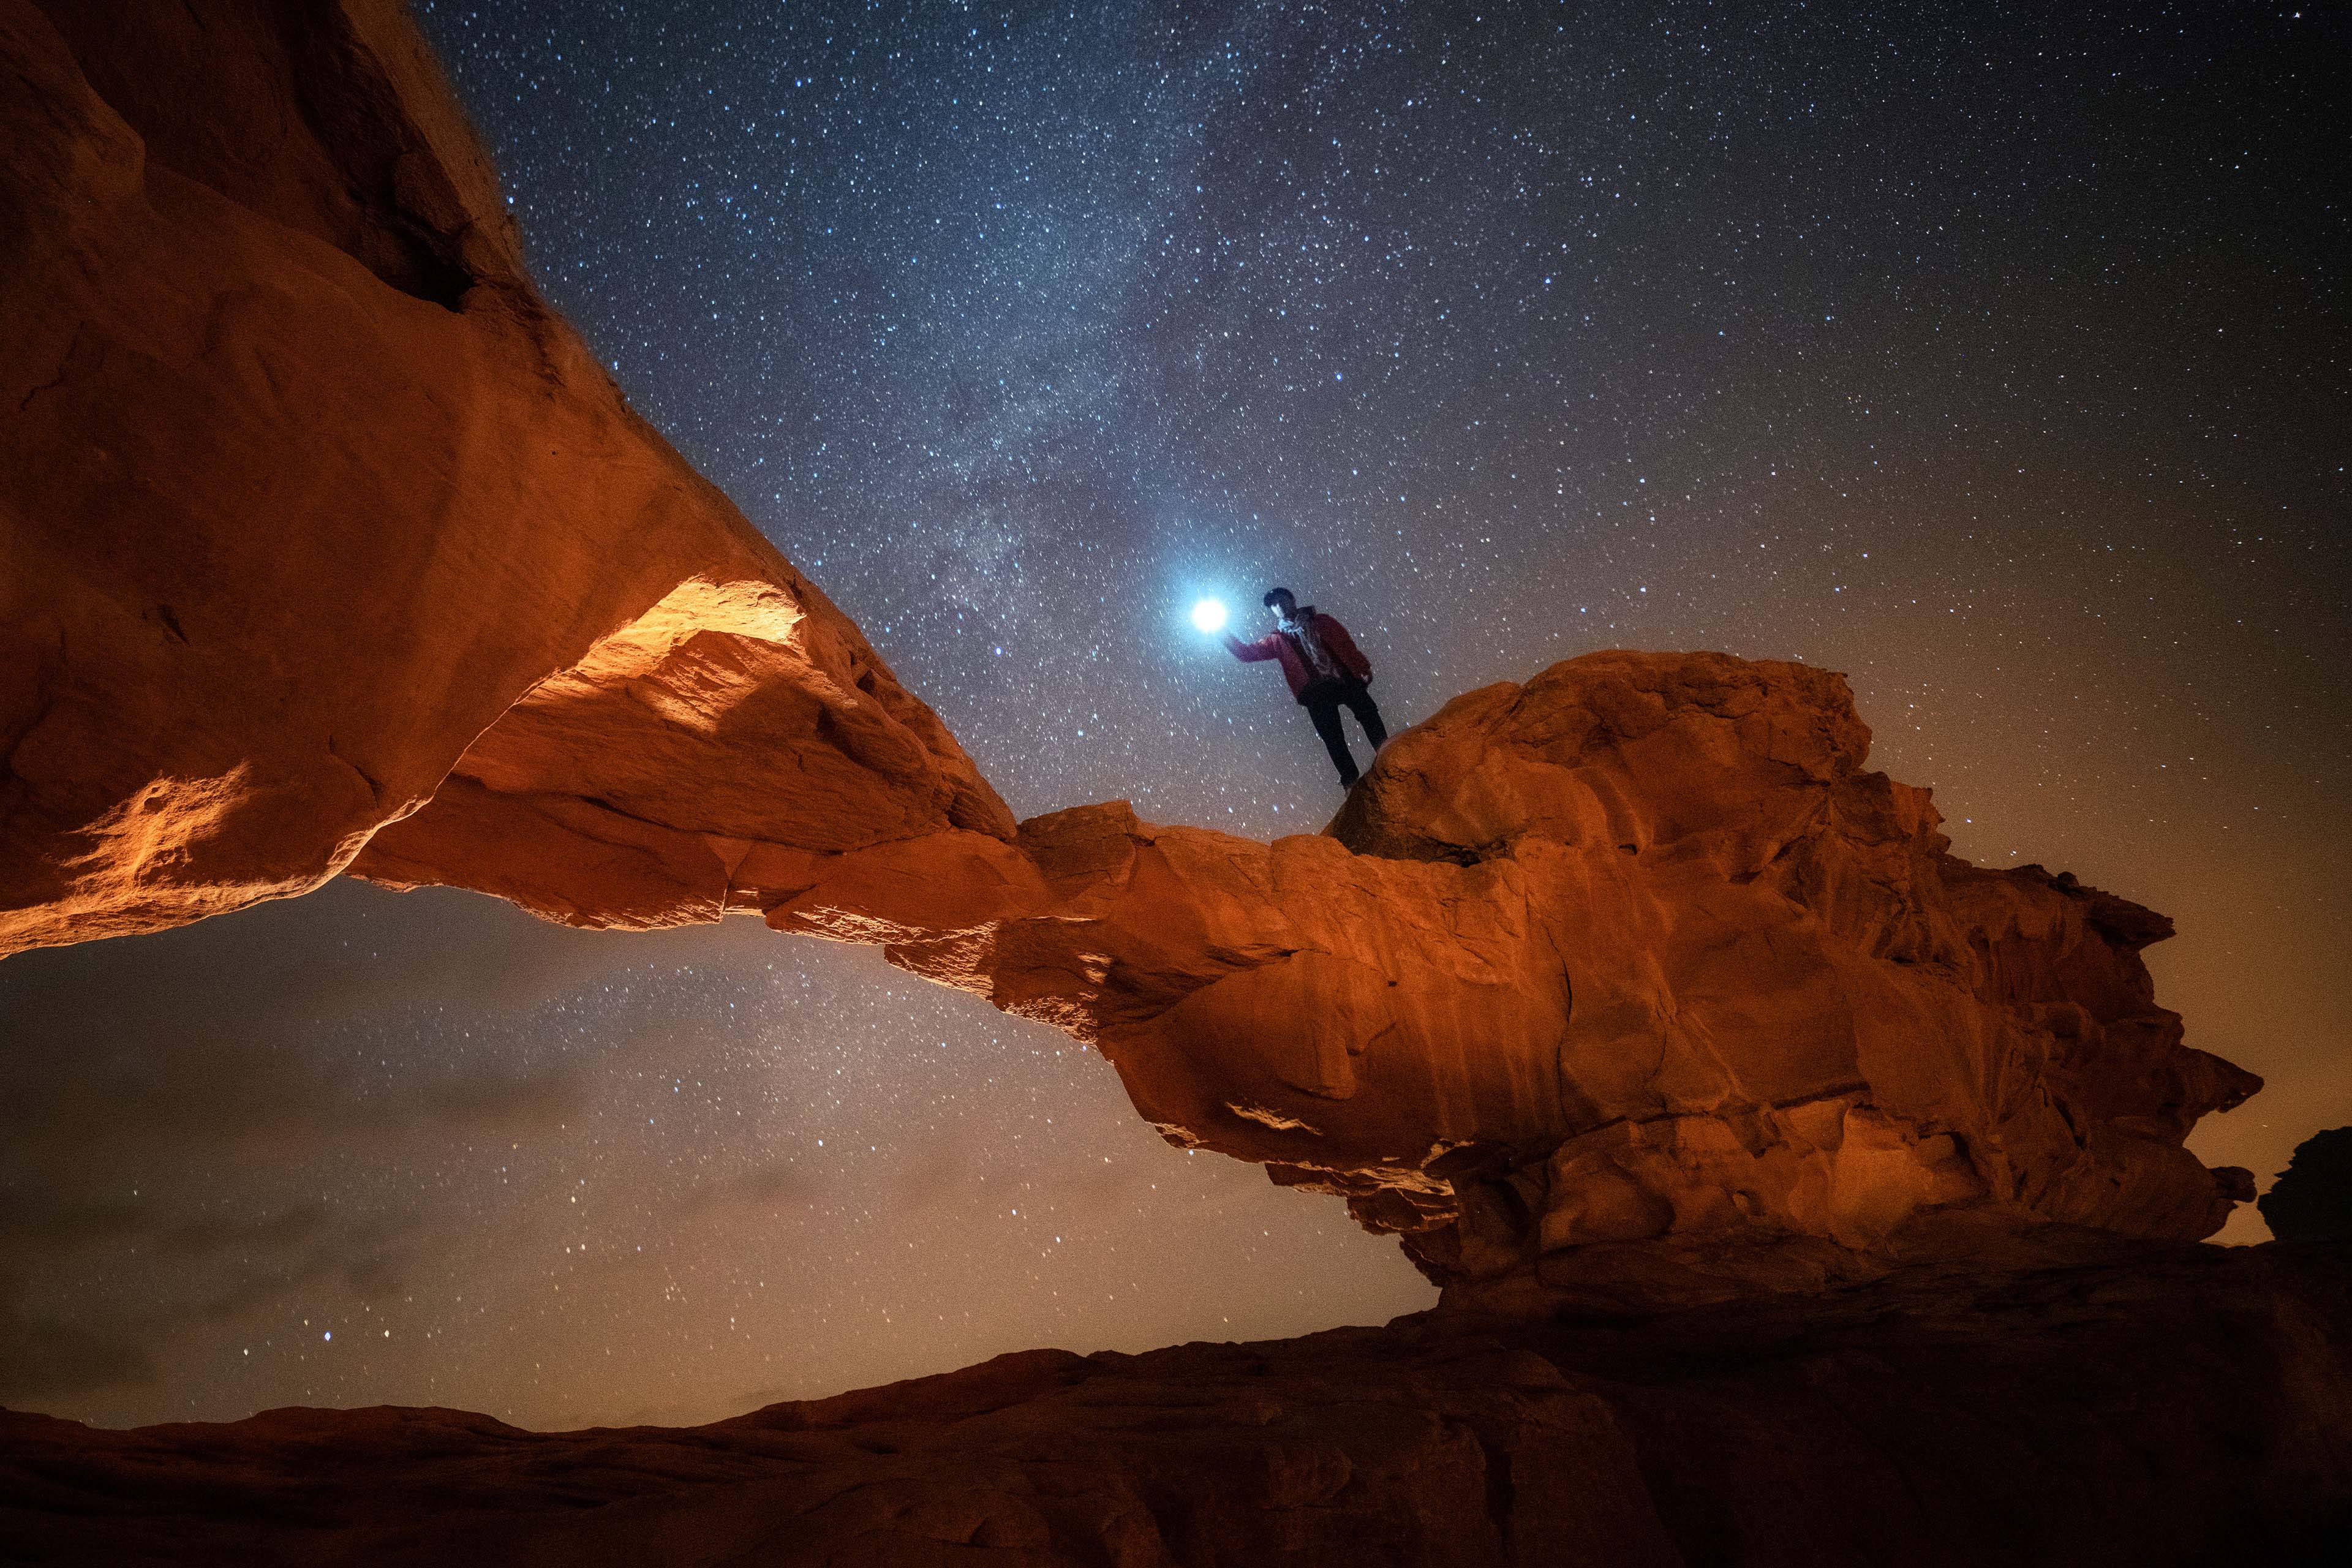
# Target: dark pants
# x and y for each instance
(1323, 701)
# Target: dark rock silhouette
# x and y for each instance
(2312, 1199)
(2173, 1405)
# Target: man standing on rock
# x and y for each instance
(1325, 671)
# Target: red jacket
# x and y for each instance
(1295, 668)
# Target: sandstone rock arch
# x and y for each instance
(328, 547)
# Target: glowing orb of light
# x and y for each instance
(1209, 615)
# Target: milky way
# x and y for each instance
(1993, 355)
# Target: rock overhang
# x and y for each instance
(1628, 981)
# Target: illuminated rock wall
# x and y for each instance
(1626, 984)
(328, 547)
(304, 487)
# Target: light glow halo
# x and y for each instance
(1209, 615)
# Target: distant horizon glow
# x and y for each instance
(1209, 615)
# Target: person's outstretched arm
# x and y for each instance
(1251, 652)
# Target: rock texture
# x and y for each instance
(325, 546)
(304, 493)
(2169, 1405)
(329, 548)
(1628, 986)
(1625, 986)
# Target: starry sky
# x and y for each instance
(1994, 354)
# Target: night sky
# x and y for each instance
(1996, 356)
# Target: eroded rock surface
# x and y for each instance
(1628, 985)
(330, 548)
(305, 492)
(2164, 1406)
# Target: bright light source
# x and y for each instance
(1209, 615)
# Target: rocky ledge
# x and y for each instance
(1628, 986)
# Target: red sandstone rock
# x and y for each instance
(2166, 1405)
(303, 488)
(324, 544)
(1630, 984)
(330, 548)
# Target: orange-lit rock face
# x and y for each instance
(327, 546)
(701, 758)
(1791, 1011)
(1625, 984)
(305, 488)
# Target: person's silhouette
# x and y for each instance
(1326, 673)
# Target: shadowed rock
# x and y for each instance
(2312, 1199)
(2167, 1405)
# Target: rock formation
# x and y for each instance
(324, 545)
(304, 489)
(2182, 1406)
(1626, 985)
(330, 548)
(2312, 1199)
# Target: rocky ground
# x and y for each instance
(2158, 1405)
